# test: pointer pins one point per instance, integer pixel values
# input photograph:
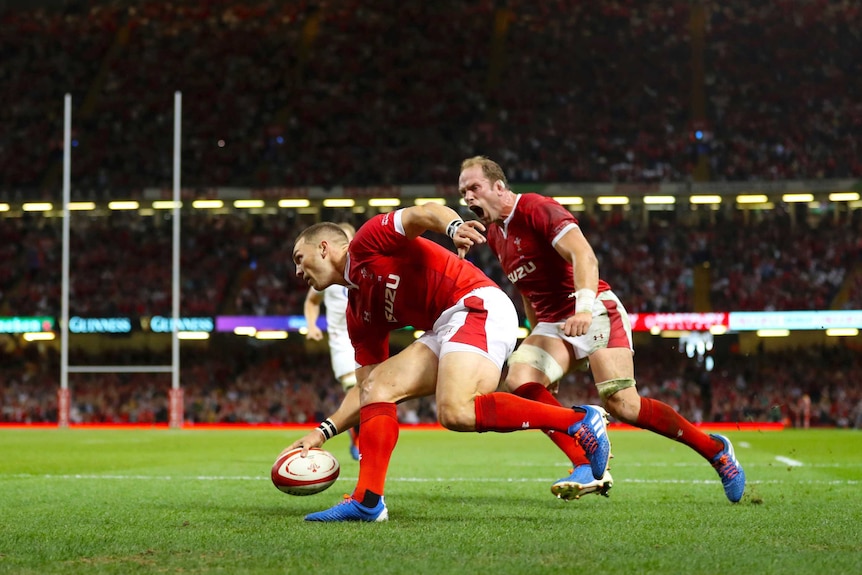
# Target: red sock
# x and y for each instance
(566, 443)
(379, 424)
(664, 420)
(504, 412)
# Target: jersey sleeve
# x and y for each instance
(381, 234)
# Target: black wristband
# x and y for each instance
(328, 429)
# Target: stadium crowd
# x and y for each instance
(346, 92)
(279, 385)
(239, 263)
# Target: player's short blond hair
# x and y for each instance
(323, 230)
(490, 169)
(348, 229)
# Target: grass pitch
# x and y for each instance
(166, 501)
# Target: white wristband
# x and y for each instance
(585, 299)
(453, 227)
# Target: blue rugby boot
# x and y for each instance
(592, 435)
(351, 510)
(581, 482)
(729, 469)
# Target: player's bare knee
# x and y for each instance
(456, 418)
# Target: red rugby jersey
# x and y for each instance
(400, 282)
(524, 244)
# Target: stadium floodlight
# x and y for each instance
(207, 204)
(82, 206)
(39, 336)
(166, 205)
(612, 200)
(271, 334)
(339, 203)
(423, 201)
(293, 203)
(705, 199)
(842, 332)
(773, 332)
(674, 333)
(4, 207)
(123, 205)
(844, 197)
(199, 335)
(245, 330)
(248, 203)
(384, 202)
(38, 207)
(659, 200)
(751, 199)
(797, 198)
(570, 200)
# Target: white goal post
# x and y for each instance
(175, 417)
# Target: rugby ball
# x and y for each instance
(297, 475)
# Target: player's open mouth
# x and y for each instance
(480, 213)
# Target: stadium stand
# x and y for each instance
(338, 92)
(342, 92)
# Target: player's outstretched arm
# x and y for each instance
(442, 219)
(344, 418)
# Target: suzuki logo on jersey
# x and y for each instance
(521, 271)
(389, 296)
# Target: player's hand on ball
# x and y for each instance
(312, 439)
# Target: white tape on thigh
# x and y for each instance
(538, 358)
(348, 381)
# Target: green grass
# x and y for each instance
(161, 501)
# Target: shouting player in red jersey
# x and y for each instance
(394, 279)
(575, 316)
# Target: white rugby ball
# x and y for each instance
(297, 475)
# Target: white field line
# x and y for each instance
(788, 461)
(409, 479)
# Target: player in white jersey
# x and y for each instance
(334, 301)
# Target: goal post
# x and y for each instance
(175, 394)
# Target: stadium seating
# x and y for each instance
(345, 92)
(342, 93)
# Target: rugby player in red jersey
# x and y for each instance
(574, 316)
(396, 278)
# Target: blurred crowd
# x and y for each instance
(240, 263)
(805, 387)
(347, 92)
(369, 93)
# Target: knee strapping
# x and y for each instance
(611, 386)
(537, 358)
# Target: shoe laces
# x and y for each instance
(726, 467)
(587, 440)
